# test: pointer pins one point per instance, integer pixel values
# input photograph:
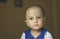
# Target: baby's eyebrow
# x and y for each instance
(39, 16)
(30, 17)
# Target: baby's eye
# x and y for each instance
(30, 18)
(38, 17)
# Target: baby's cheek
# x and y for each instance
(30, 24)
(41, 21)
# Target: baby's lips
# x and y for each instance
(35, 24)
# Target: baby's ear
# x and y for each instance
(25, 21)
(45, 19)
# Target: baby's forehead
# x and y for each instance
(33, 9)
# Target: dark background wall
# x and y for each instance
(12, 18)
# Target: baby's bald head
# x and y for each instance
(33, 9)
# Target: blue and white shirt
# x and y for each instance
(44, 35)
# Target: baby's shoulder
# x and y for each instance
(48, 35)
(27, 31)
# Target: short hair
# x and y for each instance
(36, 6)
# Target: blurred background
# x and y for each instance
(12, 22)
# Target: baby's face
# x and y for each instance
(34, 18)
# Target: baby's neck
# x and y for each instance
(35, 33)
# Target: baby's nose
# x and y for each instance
(35, 20)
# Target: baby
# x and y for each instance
(35, 20)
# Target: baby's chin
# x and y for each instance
(36, 28)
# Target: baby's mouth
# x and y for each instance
(36, 25)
